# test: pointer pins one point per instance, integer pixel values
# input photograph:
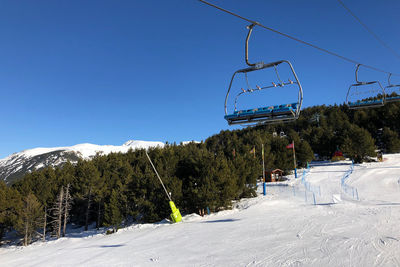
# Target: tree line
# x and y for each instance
(118, 189)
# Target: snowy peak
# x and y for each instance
(88, 150)
(17, 164)
(137, 144)
(129, 143)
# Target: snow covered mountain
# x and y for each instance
(17, 164)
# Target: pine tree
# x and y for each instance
(359, 144)
(10, 206)
(29, 218)
(304, 153)
(391, 140)
(112, 213)
(87, 184)
(43, 184)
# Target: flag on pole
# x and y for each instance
(294, 157)
(264, 186)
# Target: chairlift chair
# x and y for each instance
(391, 89)
(373, 101)
(266, 114)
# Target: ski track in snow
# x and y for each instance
(272, 230)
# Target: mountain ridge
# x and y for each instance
(17, 164)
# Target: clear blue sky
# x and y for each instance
(105, 72)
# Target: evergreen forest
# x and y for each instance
(119, 189)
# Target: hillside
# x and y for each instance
(16, 165)
(320, 129)
(274, 230)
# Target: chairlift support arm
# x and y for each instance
(246, 53)
(390, 85)
(358, 67)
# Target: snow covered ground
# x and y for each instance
(280, 229)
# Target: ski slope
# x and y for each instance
(279, 229)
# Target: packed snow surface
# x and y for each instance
(273, 230)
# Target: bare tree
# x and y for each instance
(45, 223)
(89, 202)
(60, 211)
(57, 212)
(98, 215)
(67, 207)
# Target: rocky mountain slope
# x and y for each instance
(16, 165)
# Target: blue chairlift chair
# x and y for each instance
(267, 114)
(372, 101)
(392, 91)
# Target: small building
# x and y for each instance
(273, 175)
(338, 155)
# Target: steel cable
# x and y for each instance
(299, 40)
(370, 31)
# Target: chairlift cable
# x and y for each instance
(369, 30)
(298, 40)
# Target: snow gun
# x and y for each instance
(175, 215)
